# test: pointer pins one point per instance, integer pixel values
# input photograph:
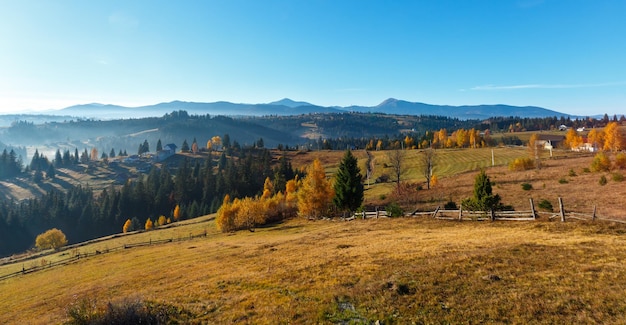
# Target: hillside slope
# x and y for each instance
(392, 270)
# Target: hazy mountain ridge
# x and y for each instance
(287, 106)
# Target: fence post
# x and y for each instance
(377, 212)
(435, 213)
(593, 216)
(561, 209)
(461, 212)
(532, 208)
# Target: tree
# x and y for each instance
(112, 153)
(601, 162)
(94, 154)
(127, 226)
(533, 149)
(396, 161)
(176, 213)
(159, 146)
(149, 225)
(572, 139)
(315, 193)
(53, 238)
(348, 186)
(612, 138)
(483, 199)
(185, 146)
(429, 165)
(194, 146)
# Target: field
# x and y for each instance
(392, 270)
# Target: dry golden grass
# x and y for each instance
(393, 270)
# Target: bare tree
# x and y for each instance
(396, 161)
(369, 168)
(429, 165)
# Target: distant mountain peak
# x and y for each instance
(389, 102)
(290, 103)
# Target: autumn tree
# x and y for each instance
(572, 139)
(161, 221)
(149, 225)
(601, 162)
(194, 146)
(127, 226)
(94, 154)
(176, 213)
(53, 238)
(596, 138)
(533, 150)
(315, 194)
(612, 137)
(348, 184)
(225, 219)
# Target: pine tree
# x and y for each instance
(159, 146)
(185, 146)
(483, 199)
(348, 186)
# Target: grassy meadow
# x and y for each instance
(393, 270)
(396, 271)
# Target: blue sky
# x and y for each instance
(566, 55)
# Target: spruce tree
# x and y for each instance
(348, 186)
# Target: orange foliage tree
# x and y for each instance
(127, 226)
(149, 225)
(176, 212)
(612, 137)
(316, 194)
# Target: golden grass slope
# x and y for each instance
(392, 270)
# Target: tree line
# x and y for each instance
(195, 188)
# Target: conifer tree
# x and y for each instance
(159, 146)
(348, 186)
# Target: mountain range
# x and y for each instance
(287, 106)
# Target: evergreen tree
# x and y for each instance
(483, 199)
(50, 173)
(185, 146)
(112, 153)
(159, 146)
(58, 159)
(348, 186)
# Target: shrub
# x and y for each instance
(450, 205)
(618, 177)
(572, 173)
(128, 311)
(53, 238)
(562, 180)
(620, 160)
(601, 163)
(586, 170)
(527, 186)
(520, 164)
(546, 205)
(394, 210)
(603, 180)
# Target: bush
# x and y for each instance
(603, 180)
(53, 238)
(520, 164)
(586, 170)
(618, 177)
(601, 163)
(394, 210)
(527, 186)
(562, 180)
(620, 160)
(450, 205)
(128, 311)
(572, 173)
(546, 205)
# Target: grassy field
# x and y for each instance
(392, 270)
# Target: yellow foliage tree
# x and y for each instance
(176, 212)
(316, 193)
(433, 181)
(127, 226)
(149, 225)
(596, 138)
(53, 238)
(612, 137)
(268, 188)
(225, 219)
(94, 154)
(572, 139)
(162, 221)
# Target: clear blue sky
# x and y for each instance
(566, 55)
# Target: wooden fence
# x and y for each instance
(75, 256)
